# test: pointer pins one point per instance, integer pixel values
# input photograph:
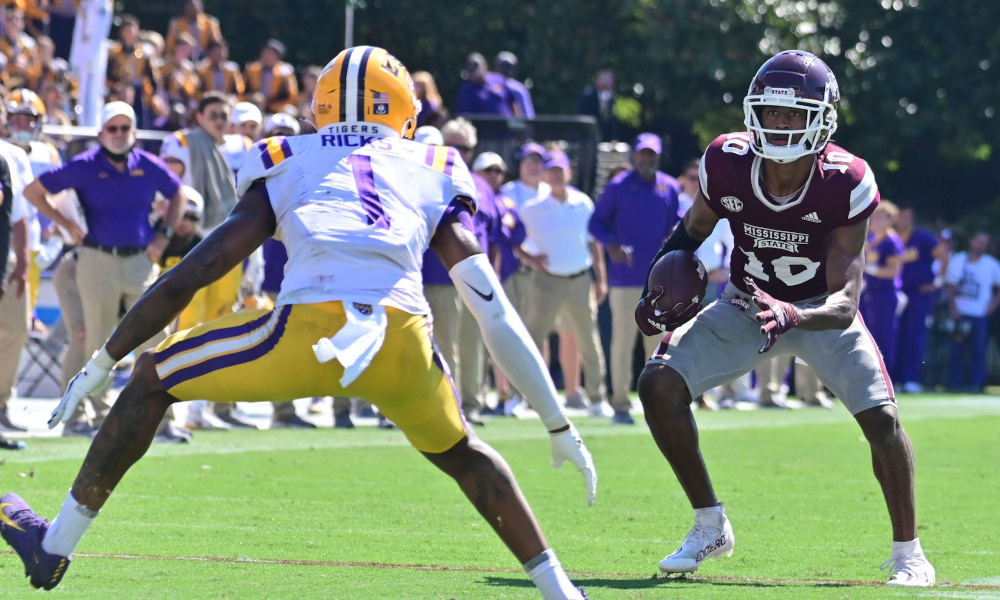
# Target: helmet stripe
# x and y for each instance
(351, 91)
(362, 87)
(343, 84)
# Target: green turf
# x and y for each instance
(359, 515)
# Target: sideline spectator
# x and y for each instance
(310, 76)
(689, 185)
(483, 92)
(246, 120)
(18, 48)
(598, 101)
(556, 228)
(203, 28)
(973, 288)
(633, 217)
(921, 249)
(129, 63)
(880, 295)
(180, 80)
(116, 184)
(505, 64)
(217, 74)
(270, 83)
(432, 109)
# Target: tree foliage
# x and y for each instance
(916, 75)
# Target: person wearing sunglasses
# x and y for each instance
(116, 184)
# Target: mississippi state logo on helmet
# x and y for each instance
(366, 84)
(793, 78)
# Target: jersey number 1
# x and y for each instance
(364, 179)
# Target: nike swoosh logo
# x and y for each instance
(480, 294)
(6, 519)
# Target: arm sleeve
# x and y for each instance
(506, 337)
(602, 217)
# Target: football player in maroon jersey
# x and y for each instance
(799, 207)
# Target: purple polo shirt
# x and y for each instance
(493, 97)
(512, 234)
(634, 212)
(920, 271)
(116, 205)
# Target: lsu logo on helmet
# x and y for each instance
(366, 84)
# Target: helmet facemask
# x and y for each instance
(821, 122)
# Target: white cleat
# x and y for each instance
(910, 570)
(702, 542)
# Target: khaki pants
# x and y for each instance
(622, 301)
(106, 282)
(15, 320)
(71, 313)
(547, 296)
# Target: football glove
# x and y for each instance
(94, 377)
(653, 321)
(568, 445)
(776, 316)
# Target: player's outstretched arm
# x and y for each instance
(250, 223)
(509, 343)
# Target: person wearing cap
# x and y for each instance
(504, 64)
(271, 80)
(217, 74)
(194, 21)
(116, 184)
(632, 218)
(560, 282)
(483, 92)
(281, 123)
(246, 120)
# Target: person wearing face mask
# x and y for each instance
(116, 184)
(632, 218)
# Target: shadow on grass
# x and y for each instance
(667, 582)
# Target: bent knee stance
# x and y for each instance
(660, 385)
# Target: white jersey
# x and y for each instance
(356, 211)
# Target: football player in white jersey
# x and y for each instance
(799, 207)
(356, 204)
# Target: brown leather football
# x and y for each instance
(682, 277)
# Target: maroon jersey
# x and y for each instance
(783, 247)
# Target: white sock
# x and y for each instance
(712, 515)
(68, 527)
(550, 579)
(911, 547)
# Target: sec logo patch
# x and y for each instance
(732, 203)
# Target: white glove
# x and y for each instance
(94, 377)
(568, 445)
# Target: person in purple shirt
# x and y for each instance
(879, 298)
(921, 249)
(632, 218)
(504, 64)
(116, 184)
(455, 330)
(483, 92)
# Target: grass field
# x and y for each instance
(358, 514)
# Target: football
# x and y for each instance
(682, 277)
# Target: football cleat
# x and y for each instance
(910, 570)
(702, 542)
(24, 531)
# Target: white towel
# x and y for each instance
(357, 342)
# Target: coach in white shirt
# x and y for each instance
(561, 253)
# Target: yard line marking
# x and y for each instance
(574, 573)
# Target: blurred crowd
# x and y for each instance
(560, 253)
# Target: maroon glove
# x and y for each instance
(777, 316)
(653, 321)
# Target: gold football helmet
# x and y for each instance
(25, 102)
(366, 84)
